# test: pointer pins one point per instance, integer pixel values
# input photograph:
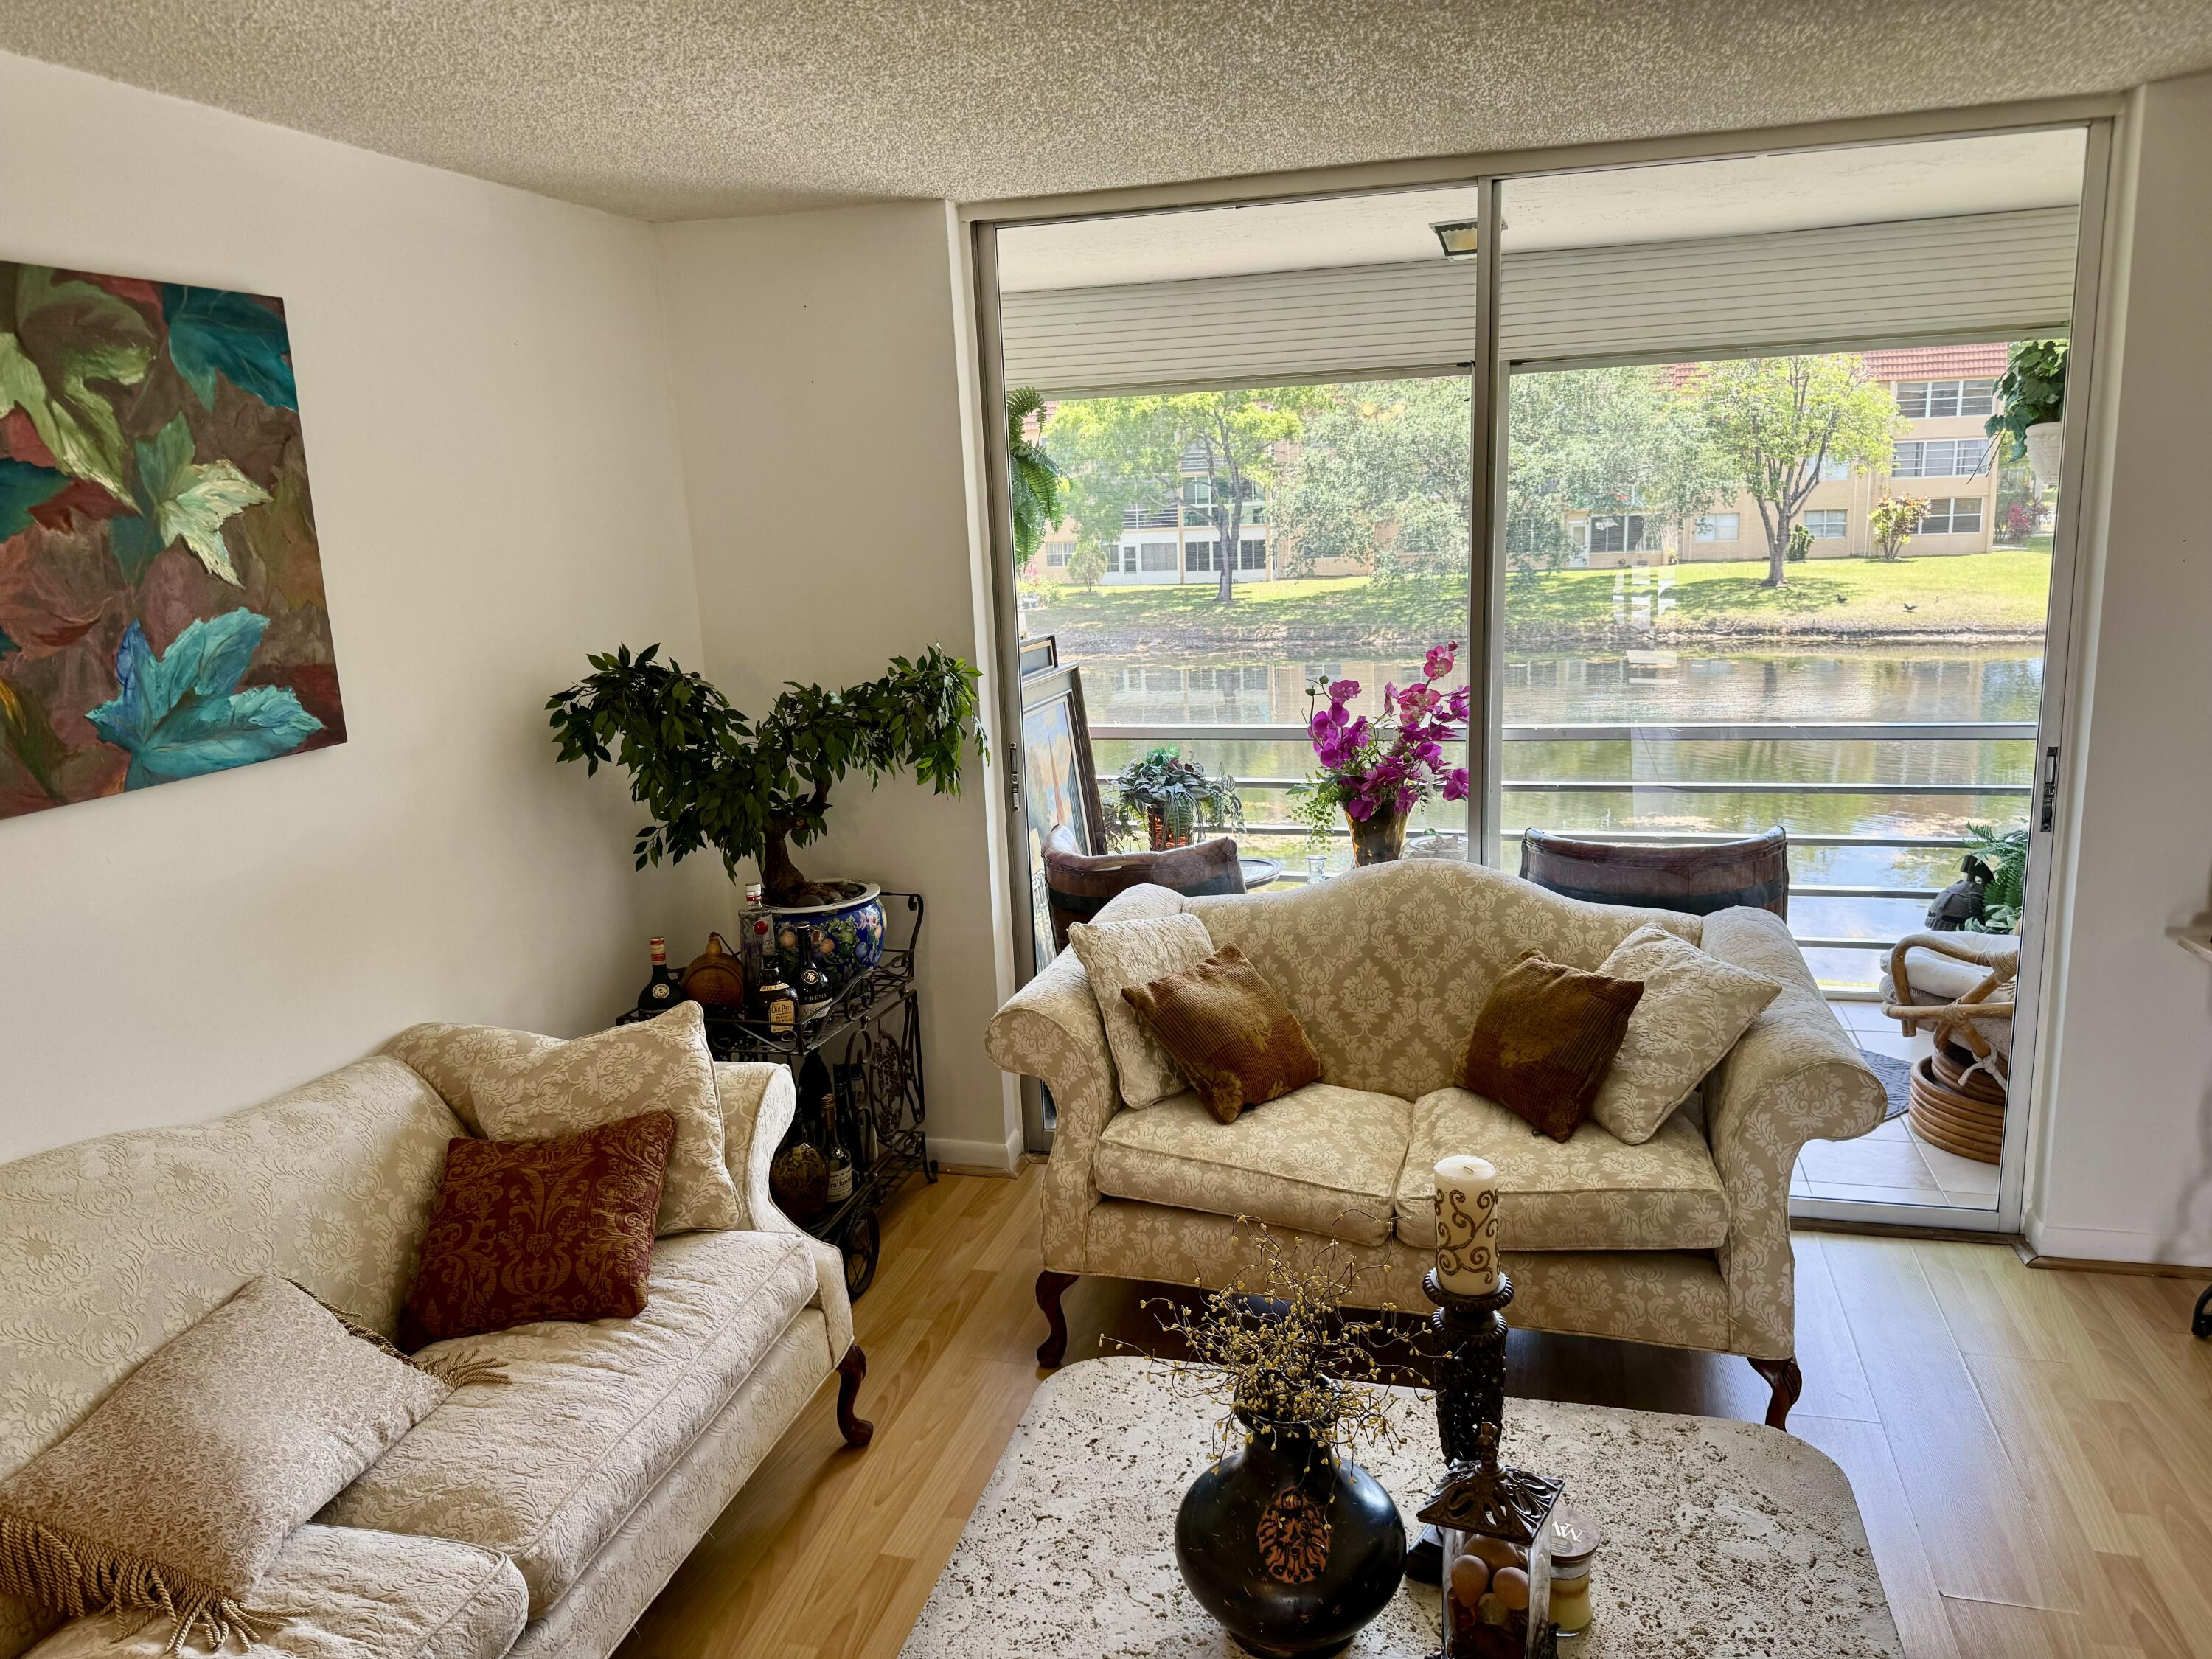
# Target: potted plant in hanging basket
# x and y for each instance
(1378, 771)
(1172, 798)
(711, 776)
(2030, 403)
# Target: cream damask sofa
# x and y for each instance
(540, 1517)
(1683, 1240)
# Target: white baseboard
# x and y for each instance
(979, 1156)
(2116, 1244)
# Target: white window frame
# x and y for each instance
(1953, 508)
(1708, 526)
(1252, 553)
(1198, 556)
(1156, 559)
(1839, 516)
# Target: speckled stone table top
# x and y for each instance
(1723, 1540)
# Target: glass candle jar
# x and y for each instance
(1498, 1596)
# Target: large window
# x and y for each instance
(1952, 517)
(1940, 457)
(1828, 523)
(1155, 557)
(1251, 555)
(1921, 400)
(1623, 532)
(1721, 528)
(1198, 556)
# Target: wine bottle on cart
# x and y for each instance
(662, 991)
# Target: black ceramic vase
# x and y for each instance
(1292, 1547)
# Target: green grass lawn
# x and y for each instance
(2003, 592)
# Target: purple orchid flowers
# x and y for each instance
(1391, 764)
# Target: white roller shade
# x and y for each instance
(1983, 277)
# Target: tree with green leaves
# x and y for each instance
(1776, 423)
(1031, 478)
(1383, 479)
(1202, 455)
(1615, 439)
(1892, 523)
(710, 776)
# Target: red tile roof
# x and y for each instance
(1938, 363)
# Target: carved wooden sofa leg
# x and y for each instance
(1049, 1287)
(850, 1369)
(1787, 1382)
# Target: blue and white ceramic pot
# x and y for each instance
(848, 935)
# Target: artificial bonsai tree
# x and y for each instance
(711, 776)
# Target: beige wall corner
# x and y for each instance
(829, 444)
(2122, 1167)
(496, 492)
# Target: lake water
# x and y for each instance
(1885, 682)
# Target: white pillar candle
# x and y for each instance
(1467, 1225)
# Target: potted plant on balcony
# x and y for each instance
(1378, 771)
(1172, 798)
(711, 776)
(2032, 399)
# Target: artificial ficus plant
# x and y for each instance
(711, 776)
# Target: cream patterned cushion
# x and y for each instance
(1588, 1193)
(349, 1593)
(175, 1495)
(1322, 1159)
(1693, 1009)
(546, 1467)
(1118, 954)
(660, 1065)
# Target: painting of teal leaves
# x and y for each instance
(162, 613)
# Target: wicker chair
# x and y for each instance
(1961, 986)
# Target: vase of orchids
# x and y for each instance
(1377, 771)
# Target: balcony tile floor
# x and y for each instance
(1892, 1165)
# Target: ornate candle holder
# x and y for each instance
(1487, 1535)
(1469, 1335)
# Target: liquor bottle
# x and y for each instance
(833, 1148)
(661, 992)
(779, 1008)
(754, 926)
(816, 992)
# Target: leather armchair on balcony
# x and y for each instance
(1079, 884)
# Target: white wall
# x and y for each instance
(483, 383)
(827, 436)
(2126, 1171)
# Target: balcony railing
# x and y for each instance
(1910, 732)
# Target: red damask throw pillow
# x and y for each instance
(532, 1230)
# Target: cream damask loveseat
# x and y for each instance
(1683, 1240)
(540, 1516)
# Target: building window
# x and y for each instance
(1198, 555)
(1829, 525)
(1122, 560)
(1924, 400)
(1953, 516)
(1155, 557)
(1940, 457)
(1057, 554)
(1251, 555)
(1721, 528)
(1252, 679)
(1833, 470)
(1621, 532)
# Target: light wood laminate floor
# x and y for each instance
(2032, 1449)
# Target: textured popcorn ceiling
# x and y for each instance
(674, 109)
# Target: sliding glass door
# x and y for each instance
(1764, 566)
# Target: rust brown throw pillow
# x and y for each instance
(1234, 1036)
(1544, 1037)
(532, 1230)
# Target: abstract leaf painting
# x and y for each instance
(161, 608)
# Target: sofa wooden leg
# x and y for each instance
(850, 1369)
(1787, 1382)
(1049, 1287)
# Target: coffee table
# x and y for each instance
(1723, 1540)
